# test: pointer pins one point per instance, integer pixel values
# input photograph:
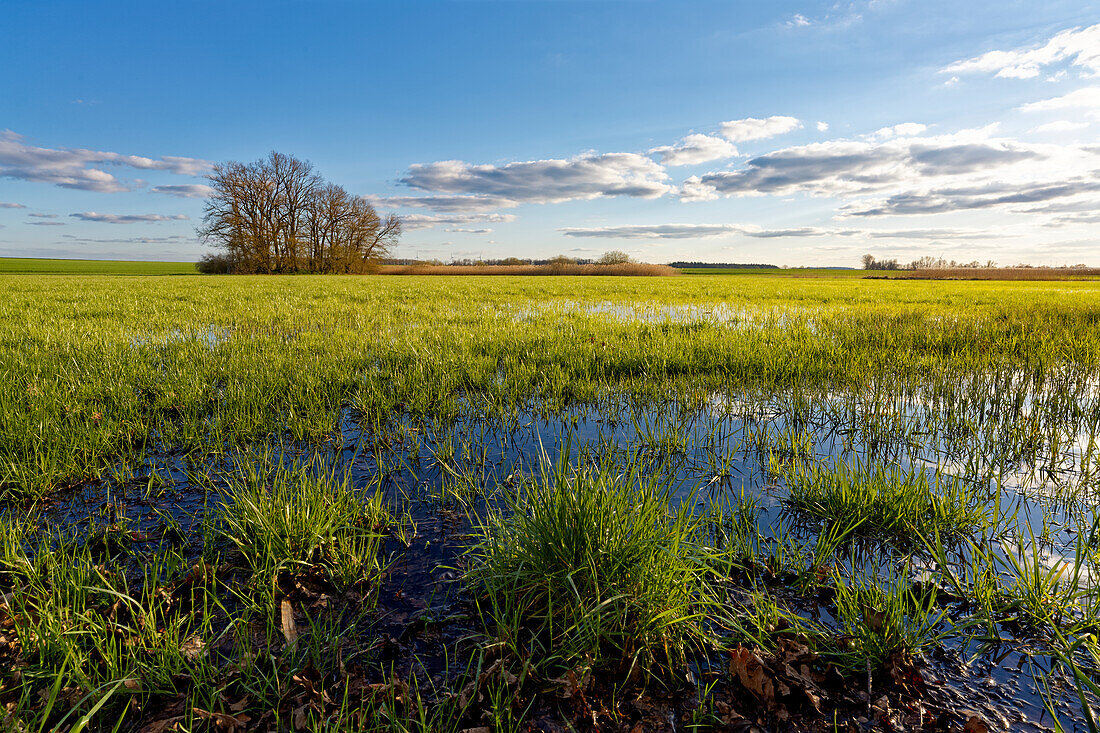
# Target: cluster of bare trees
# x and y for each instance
(924, 263)
(278, 215)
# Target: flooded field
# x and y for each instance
(436, 504)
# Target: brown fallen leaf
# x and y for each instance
(290, 629)
(749, 670)
(975, 725)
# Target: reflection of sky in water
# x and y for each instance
(718, 448)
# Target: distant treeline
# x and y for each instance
(939, 263)
(722, 266)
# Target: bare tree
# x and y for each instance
(278, 215)
(614, 257)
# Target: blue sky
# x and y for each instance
(783, 132)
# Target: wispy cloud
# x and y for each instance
(1061, 126)
(185, 191)
(455, 204)
(1086, 98)
(126, 218)
(1079, 46)
(427, 221)
(10, 205)
(701, 231)
(76, 167)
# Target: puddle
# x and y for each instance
(720, 447)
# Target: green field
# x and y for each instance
(333, 501)
(35, 266)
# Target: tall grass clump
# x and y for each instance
(592, 563)
(880, 621)
(887, 501)
(290, 517)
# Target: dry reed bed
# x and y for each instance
(637, 269)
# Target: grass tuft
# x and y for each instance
(591, 563)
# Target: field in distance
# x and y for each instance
(42, 266)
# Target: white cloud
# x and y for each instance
(754, 128)
(464, 230)
(586, 176)
(443, 203)
(1079, 46)
(9, 205)
(185, 191)
(798, 21)
(702, 231)
(905, 129)
(43, 216)
(126, 218)
(943, 200)
(822, 126)
(970, 169)
(74, 167)
(695, 149)
(1087, 98)
(427, 221)
(1061, 126)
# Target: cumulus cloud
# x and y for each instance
(427, 221)
(939, 201)
(76, 167)
(586, 176)
(185, 191)
(754, 128)
(9, 205)
(695, 149)
(454, 204)
(701, 231)
(822, 126)
(126, 218)
(1079, 46)
(908, 170)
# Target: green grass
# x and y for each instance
(883, 501)
(37, 266)
(587, 566)
(287, 519)
(592, 564)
